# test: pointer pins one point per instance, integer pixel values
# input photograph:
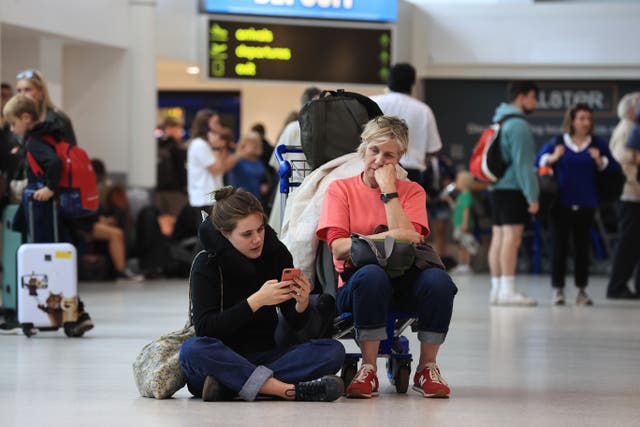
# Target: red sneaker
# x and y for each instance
(430, 383)
(364, 384)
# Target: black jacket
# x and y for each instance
(44, 154)
(236, 325)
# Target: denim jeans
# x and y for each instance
(369, 294)
(245, 375)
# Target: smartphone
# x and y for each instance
(290, 273)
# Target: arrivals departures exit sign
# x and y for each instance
(262, 51)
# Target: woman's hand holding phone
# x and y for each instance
(271, 292)
(300, 287)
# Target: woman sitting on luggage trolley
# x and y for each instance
(373, 200)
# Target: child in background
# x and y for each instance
(22, 114)
(249, 172)
(463, 222)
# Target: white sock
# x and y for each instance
(507, 285)
(495, 284)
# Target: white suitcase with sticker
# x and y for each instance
(47, 286)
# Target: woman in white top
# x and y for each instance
(208, 159)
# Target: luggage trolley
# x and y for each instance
(396, 348)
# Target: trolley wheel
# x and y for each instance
(349, 370)
(28, 330)
(401, 378)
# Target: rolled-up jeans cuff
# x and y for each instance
(375, 334)
(255, 382)
(431, 337)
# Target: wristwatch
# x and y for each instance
(385, 197)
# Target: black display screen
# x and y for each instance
(263, 51)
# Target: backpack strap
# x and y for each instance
(507, 117)
(33, 163)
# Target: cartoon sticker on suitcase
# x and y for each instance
(34, 281)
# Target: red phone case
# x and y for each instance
(290, 273)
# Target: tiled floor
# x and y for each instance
(506, 366)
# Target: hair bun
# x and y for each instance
(223, 193)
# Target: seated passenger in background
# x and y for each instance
(236, 293)
(361, 204)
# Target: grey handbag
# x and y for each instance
(395, 256)
(156, 370)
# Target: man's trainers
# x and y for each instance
(583, 298)
(515, 299)
(365, 384)
(558, 297)
(83, 324)
(211, 390)
(430, 383)
(325, 389)
(127, 275)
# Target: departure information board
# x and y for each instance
(264, 51)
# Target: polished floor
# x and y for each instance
(558, 366)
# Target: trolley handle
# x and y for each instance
(285, 171)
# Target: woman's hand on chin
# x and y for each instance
(385, 177)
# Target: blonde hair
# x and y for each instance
(36, 78)
(252, 138)
(382, 129)
(627, 105)
(466, 179)
(19, 105)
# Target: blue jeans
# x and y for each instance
(369, 294)
(245, 375)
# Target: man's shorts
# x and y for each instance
(509, 207)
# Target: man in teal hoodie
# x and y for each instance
(514, 197)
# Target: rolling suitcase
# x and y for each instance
(11, 241)
(47, 283)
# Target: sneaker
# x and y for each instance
(515, 299)
(493, 296)
(558, 297)
(325, 389)
(365, 384)
(429, 382)
(127, 275)
(583, 298)
(211, 391)
(83, 324)
(10, 328)
(462, 269)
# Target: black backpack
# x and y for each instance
(330, 125)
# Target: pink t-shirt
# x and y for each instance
(352, 206)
